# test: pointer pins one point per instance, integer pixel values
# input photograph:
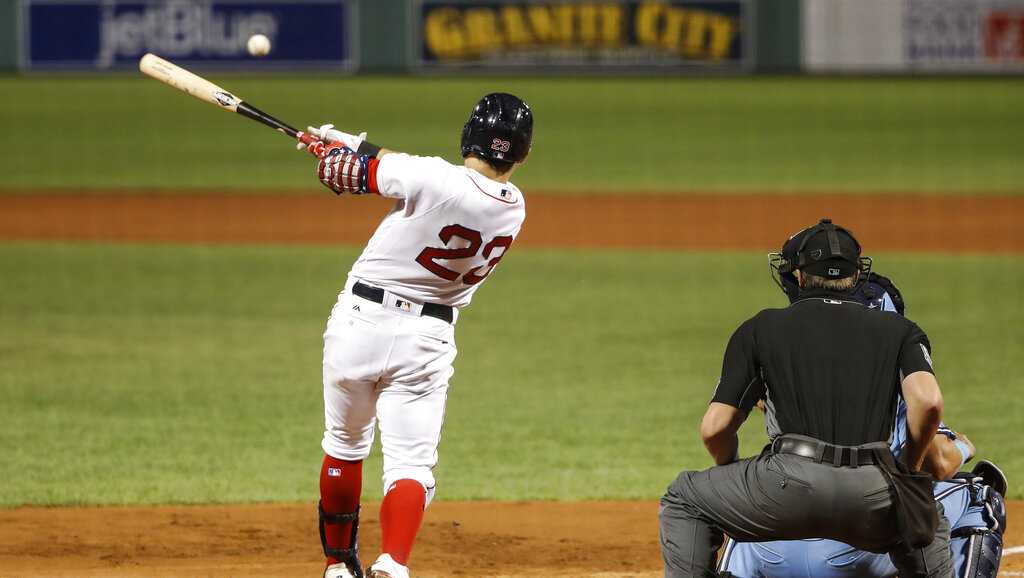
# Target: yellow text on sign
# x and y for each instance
(452, 33)
(461, 33)
(692, 32)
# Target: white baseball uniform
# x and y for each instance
(385, 362)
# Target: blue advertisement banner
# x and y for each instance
(112, 34)
(582, 33)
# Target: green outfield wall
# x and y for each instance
(778, 36)
(383, 36)
(8, 35)
(684, 36)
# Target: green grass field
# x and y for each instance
(190, 374)
(942, 135)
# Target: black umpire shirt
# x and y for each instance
(827, 367)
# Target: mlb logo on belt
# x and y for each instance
(403, 305)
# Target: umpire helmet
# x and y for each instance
(824, 249)
(500, 128)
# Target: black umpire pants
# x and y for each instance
(787, 497)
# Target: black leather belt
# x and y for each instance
(376, 294)
(828, 454)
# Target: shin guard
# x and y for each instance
(350, 555)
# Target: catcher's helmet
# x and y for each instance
(500, 128)
(873, 288)
(824, 249)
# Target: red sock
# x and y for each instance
(401, 514)
(341, 484)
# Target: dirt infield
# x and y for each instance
(744, 222)
(477, 539)
(474, 540)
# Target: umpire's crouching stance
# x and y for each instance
(829, 371)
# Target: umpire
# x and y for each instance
(829, 371)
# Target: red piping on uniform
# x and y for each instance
(488, 194)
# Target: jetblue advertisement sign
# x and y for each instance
(112, 34)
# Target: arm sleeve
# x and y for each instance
(916, 352)
(741, 384)
(418, 180)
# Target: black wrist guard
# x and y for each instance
(369, 149)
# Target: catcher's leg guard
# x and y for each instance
(350, 555)
(984, 552)
(985, 545)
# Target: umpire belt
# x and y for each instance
(376, 294)
(831, 455)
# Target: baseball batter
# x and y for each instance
(390, 340)
(972, 502)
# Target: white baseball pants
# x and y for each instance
(387, 366)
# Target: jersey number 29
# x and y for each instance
(428, 256)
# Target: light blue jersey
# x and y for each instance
(899, 429)
(819, 558)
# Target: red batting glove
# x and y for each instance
(311, 143)
(315, 139)
(317, 148)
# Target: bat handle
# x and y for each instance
(247, 110)
(314, 145)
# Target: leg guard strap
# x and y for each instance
(984, 553)
(348, 555)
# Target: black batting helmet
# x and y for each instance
(500, 128)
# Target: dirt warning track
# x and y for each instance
(689, 222)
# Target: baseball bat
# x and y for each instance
(197, 86)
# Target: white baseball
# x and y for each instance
(258, 45)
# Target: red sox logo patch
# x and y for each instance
(502, 146)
